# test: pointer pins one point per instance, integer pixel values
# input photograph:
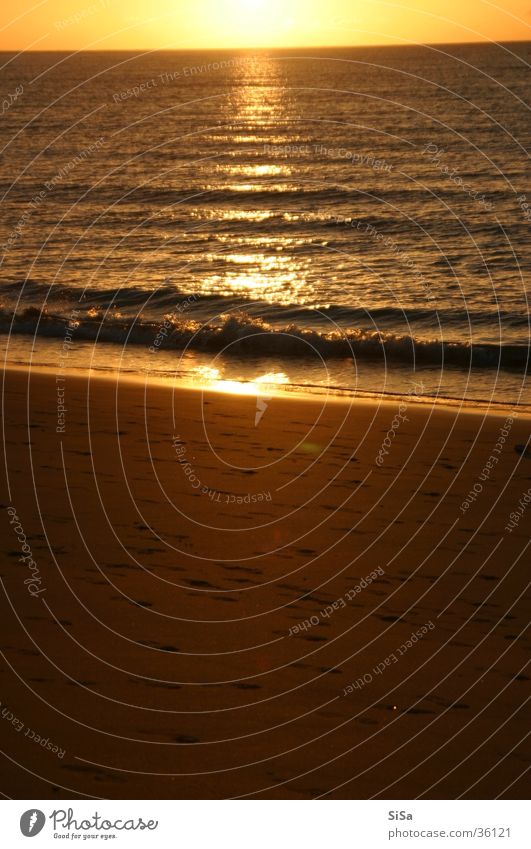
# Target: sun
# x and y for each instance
(256, 23)
(259, 9)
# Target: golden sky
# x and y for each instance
(189, 24)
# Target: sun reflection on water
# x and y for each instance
(255, 171)
(210, 378)
(266, 266)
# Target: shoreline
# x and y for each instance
(297, 392)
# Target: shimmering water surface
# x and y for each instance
(353, 218)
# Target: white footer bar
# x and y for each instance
(267, 824)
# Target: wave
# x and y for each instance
(167, 297)
(246, 335)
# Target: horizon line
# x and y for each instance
(485, 41)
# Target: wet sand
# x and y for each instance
(286, 599)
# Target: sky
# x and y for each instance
(196, 24)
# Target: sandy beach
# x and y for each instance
(208, 597)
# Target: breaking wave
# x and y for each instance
(243, 333)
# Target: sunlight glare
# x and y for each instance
(257, 23)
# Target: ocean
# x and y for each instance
(332, 220)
